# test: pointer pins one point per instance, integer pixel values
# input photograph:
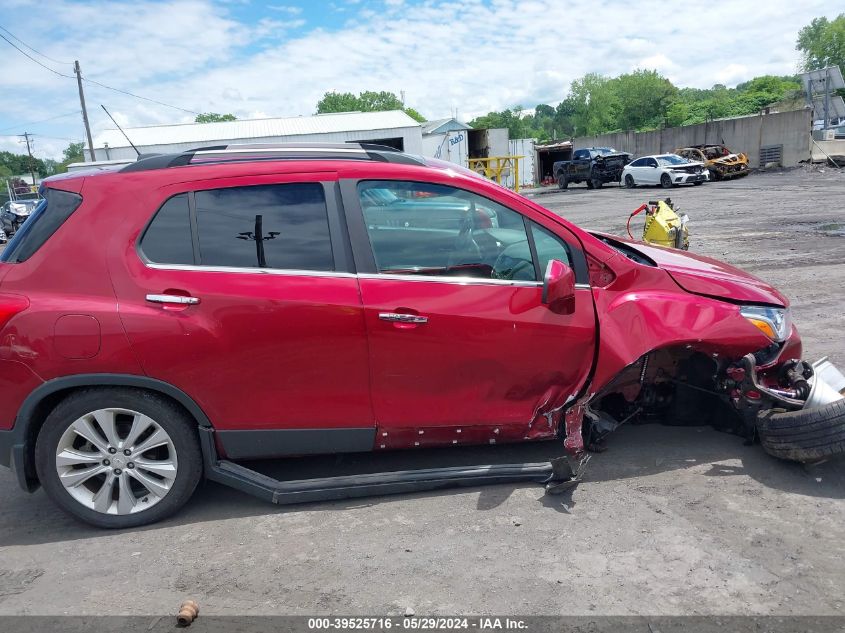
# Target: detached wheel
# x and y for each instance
(804, 436)
(118, 458)
(562, 182)
(629, 181)
(666, 181)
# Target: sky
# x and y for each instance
(265, 59)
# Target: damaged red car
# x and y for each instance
(166, 321)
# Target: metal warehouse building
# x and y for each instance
(393, 128)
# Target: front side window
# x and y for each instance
(435, 230)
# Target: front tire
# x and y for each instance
(118, 457)
(804, 435)
(666, 181)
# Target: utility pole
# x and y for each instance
(84, 111)
(26, 136)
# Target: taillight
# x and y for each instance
(10, 305)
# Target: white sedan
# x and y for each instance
(666, 170)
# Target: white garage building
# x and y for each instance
(393, 128)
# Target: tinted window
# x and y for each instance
(167, 239)
(50, 214)
(640, 162)
(266, 226)
(650, 162)
(424, 229)
(549, 247)
(581, 153)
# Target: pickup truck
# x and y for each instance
(594, 165)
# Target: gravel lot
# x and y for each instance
(670, 521)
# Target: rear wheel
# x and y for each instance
(562, 182)
(666, 181)
(118, 458)
(804, 436)
(629, 181)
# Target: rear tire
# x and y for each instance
(666, 181)
(562, 182)
(803, 436)
(629, 181)
(121, 483)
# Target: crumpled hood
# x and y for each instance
(705, 276)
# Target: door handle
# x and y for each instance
(174, 299)
(398, 317)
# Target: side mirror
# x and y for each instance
(559, 287)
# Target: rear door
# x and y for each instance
(461, 346)
(242, 294)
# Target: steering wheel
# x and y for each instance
(512, 263)
(466, 248)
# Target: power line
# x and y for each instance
(97, 83)
(20, 50)
(31, 48)
(91, 81)
(31, 123)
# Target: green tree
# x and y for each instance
(73, 153)
(367, 101)
(213, 117)
(822, 43)
(644, 97)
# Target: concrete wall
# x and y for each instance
(745, 134)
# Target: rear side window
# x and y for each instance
(265, 226)
(167, 239)
(50, 214)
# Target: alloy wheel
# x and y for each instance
(116, 461)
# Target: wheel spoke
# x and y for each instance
(163, 468)
(72, 478)
(154, 486)
(102, 500)
(125, 496)
(105, 418)
(84, 429)
(74, 457)
(140, 423)
(158, 438)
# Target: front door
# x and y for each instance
(241, 297)
(460, 341)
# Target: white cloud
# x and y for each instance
(284, 8)
(467, 54)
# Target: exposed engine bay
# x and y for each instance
(684, 387)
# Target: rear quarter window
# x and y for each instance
(50, 214)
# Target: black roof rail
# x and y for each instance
(249, 152)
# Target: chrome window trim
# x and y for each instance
(287, 272)
(461, 281)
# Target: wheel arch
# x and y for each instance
(38, 404)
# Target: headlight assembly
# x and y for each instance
(773, 322)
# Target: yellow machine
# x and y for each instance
(663, 226)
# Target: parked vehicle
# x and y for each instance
(719, 160)
(167, 320)
(594, 166)
(666, 170)
(14, 213)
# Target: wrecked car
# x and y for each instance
(720, 161)
(594, 166)
(258, 302)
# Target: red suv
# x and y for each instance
(160, 322)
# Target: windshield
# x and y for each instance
(671, 159)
